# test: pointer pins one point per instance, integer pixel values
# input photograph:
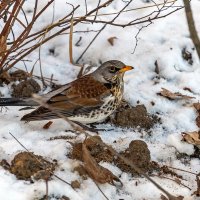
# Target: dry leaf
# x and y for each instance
(47, 125)
(197, 193)
(197, 106)
(94, 170)
(111, 40)
(198, 121)
(191, 137)
(174, 96)
(5, 77)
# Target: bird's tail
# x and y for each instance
(17, 102)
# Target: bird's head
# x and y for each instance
(111, 71)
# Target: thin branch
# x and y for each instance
(97, 10)
(102, 30)
(136, 36)
(191, 26)
(101, 190)
(70, 42)
(39, 160)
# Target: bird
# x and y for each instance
(86, 100)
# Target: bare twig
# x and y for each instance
(191, 26)
(39, 160)
(70, 42)
(136, 36)
(102, 30)
(101, 190)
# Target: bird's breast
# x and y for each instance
(110, 104)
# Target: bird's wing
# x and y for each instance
(78, 97)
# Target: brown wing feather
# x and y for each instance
(81, 96)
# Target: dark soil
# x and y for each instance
(25, 88)
(134, 117)
(25, 164)
(187, 56)
(75, 184)
(18, 75)
(81, 171)
(54, 197)
(96, 150)
(137, 152)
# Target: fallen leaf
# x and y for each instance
(5, 76)
(96, 171)
(198, 121)
(191, 137)
(197, 192)
(174, 96)
(197, 106)
(47, 125)
(111, 40)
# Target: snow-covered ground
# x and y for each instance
(162, 41)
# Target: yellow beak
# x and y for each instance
(126, 68)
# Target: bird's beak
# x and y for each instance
(126, 68)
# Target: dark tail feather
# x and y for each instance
(40, 113)
(17, 102)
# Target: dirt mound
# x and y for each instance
(25, 88)
(137, 152)
(26, 164)
(134, 117)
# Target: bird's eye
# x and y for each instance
(112, 69)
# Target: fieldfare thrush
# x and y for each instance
(88, 99)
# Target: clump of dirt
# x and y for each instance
(139, 154)
(134, 117)
(99, 152)
(25, 88)
(76, 152)
(75, 184)
(26, 164)
(55, 197)
(17, 75)
(81, 171)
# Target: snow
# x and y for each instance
(162, 41)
